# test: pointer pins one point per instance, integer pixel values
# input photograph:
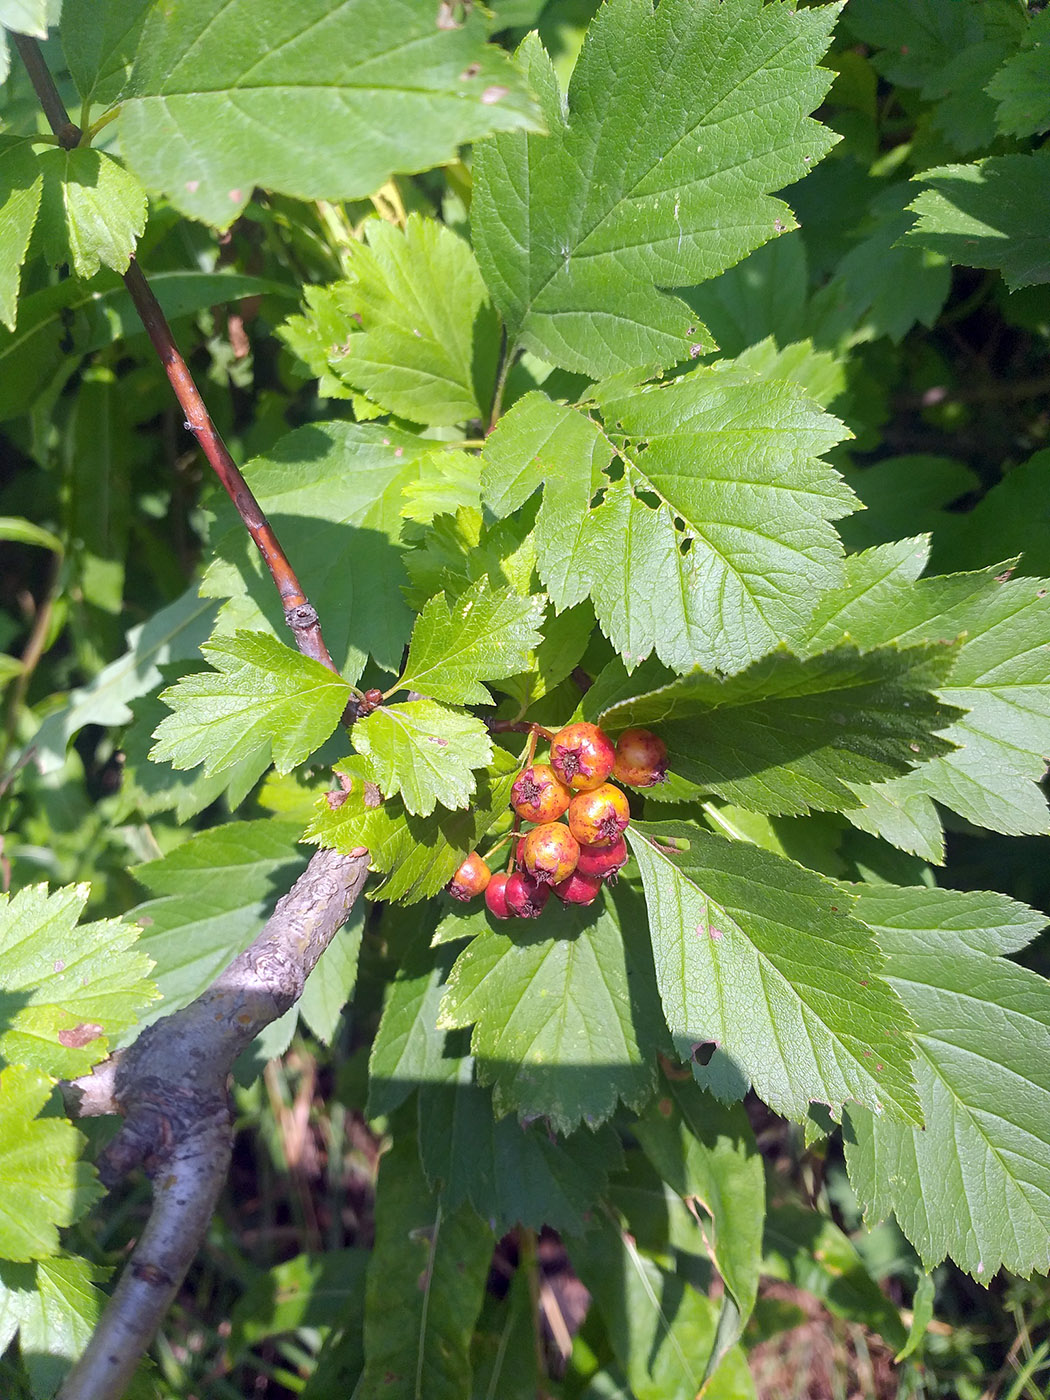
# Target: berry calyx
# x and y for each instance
(496, 896)
(550, 852)
(597, 818)
(641, 758)
(602, 861)
(526, 896)
(538, 795)
(582, 756)
(470, 879)
(578, 889)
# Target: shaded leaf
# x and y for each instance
(424, 752)
(21, 182)
(92, 210)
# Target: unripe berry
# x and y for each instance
(538, 796)
(582, 756)
(496, 896)
(603, 861)
(578, 889)
(550, 852)
(597, 818)
(526, 896)
(470, 879)
(641, 758)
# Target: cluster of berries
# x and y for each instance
(573, 857)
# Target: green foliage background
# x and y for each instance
(701, 350)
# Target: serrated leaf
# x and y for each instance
(69, 987)
(762, 957)
(482, 635)
(92, 210)
(333, 492)
(412, 326)
(556, 1032)
(445, 481)
(262, 696)
(55, 1304)
(1020, 87)
(418, 855)
(426, 1279)
(706, 1152)
(424, 752)
(173, 634)
(21, 182)
(331, 99)
(330, 985)
(999, 674)
(790, 734)
(988, 214)
(975, 1184)
(214, 893)
(641, 182)
(99, 45)
(321, 1291)
(717, 534)
(43, 1185)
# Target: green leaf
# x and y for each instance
(215, 892)
(565, 1023)
(21, 181)
(706, 1152)
(445, 481)
(662, 1330)
(975, 1184)
(425, 752)
(55, 1304)
(482, 635)
(43, 1185)
(92, 210)
(1020, 86)
(173, 634)
(342, 528)
(762, 957)
(262, 696)
(412, 327)
(328, 99)
(68, 987)
(716, 536)
(988, 214)
(642, 182)
(14, 527)
(790, 734)
(809, 1251)
(1009, 520)
(99, 45)
(905, 496)
(418, 855)
(308, 1290)
(426, 1280)
(999, 675)
(331, 984)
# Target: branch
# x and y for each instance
(299, 613)
(170, 1085)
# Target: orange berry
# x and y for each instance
(470, 879)
(597, 818)
(550, 853)
(538, 795)
(641, 758)
(582, 756)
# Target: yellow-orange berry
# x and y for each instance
(538, 795)
(550, 852)
(470, 879)
(582, 756)
(597, 818)
(641, 758)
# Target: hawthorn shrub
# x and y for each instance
(675, 372)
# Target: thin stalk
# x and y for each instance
(48, 95)
(529, 1258)
(506, 358)
(31, 656)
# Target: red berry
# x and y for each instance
(578, 889)
(496, 896)
(526, 896)
(597, 818)
(470, 879)
(582, 756)
(538, 796)
(641, 758)
(603, 861)
(550, 852)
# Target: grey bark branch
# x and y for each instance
(171, 1087)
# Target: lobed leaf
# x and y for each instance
(92, 210)
(68, 988)
(424, 752)
(975, 1184)
(21, 183)
(655, 174)
(320, 101)
(762, 957)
